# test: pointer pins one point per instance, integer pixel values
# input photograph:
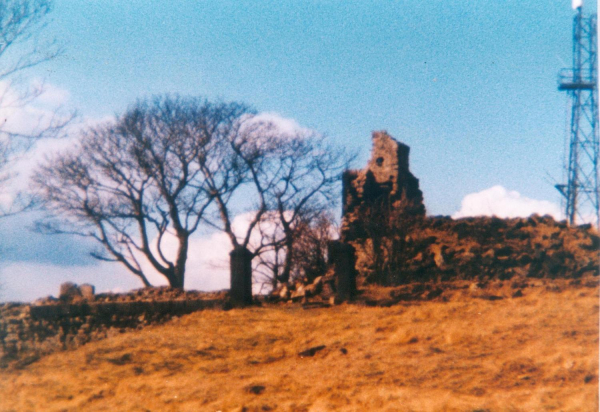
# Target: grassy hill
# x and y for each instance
(473, 348)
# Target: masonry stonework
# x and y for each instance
(386, 182)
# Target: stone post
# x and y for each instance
(241, 276)
(342, 256)
(87, 291)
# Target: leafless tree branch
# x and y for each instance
(22, 48)
(138, 181)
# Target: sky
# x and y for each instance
(470, 86)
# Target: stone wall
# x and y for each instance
(439, 248)
(384, 220)
(28, 331)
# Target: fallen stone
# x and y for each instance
(310, 290)
(299, 293)
(335, 300)
(438, 256)
(311, 351)
(284, 293)
(491, 297)
(69, 291)
(255, 389)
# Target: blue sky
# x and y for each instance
(470, 85)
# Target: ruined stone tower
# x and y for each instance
(386, 183)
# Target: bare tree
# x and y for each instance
(140, 178)
(311, 246)
(290, 178)
(164, 168)
(310, 236)
(307, 189)
(21, 22)
(246, 162)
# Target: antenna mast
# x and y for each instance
(582, 191)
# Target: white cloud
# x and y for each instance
(22, 168)
(28, 115)
(207, 266)
(52, 96)
(208, 262)
(32, 107)
(283, 125)
(499, 202)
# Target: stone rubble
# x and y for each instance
(384, 220)
(439, 248)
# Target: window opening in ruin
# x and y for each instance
(379, 161)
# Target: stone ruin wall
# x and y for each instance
(385, 180)
(29, 331)
(385, 183)
(420, 248)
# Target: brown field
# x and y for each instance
(469, 353)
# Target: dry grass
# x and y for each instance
(533, 353)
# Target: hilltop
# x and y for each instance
(476, 314)
(474, 346)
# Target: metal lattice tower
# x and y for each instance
(581, 192)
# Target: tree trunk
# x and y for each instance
(178, 277)
(289, 260)
(241, 276)
(176, 281)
